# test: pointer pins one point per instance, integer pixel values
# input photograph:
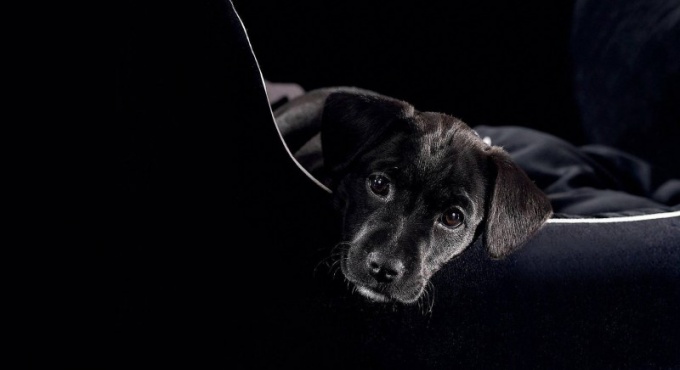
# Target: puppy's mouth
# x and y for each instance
(379, 295)
(386, 293)
(372, 294)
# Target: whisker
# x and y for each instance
(331, 262)
(428, 297)
(335, 267)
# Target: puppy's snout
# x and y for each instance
(384, 269)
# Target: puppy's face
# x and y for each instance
(415, 189)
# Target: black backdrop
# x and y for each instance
(172, 210)
(587, 71)
(487, 62)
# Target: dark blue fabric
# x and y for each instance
(581, 296)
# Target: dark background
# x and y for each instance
(590, 72)
(487, 62)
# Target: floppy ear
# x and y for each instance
(352, 122)
(516, 209)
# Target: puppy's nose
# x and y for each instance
(384, 269)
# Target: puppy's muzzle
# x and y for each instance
(381, 275)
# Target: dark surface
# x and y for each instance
(180, 234)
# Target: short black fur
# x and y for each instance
(428, 165)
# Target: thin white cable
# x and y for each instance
(252, 51)
(617, 219)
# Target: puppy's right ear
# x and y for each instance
(353, 122)
(516, 209)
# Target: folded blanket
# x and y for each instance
(586, 180)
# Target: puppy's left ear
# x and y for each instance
(516, 209)
(353, 122)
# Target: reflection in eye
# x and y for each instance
(379, 184)
(452, 218)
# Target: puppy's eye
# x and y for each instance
(452, 218)
(379, 184)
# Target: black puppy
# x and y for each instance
(414, 188)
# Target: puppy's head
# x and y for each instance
(415, 189)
